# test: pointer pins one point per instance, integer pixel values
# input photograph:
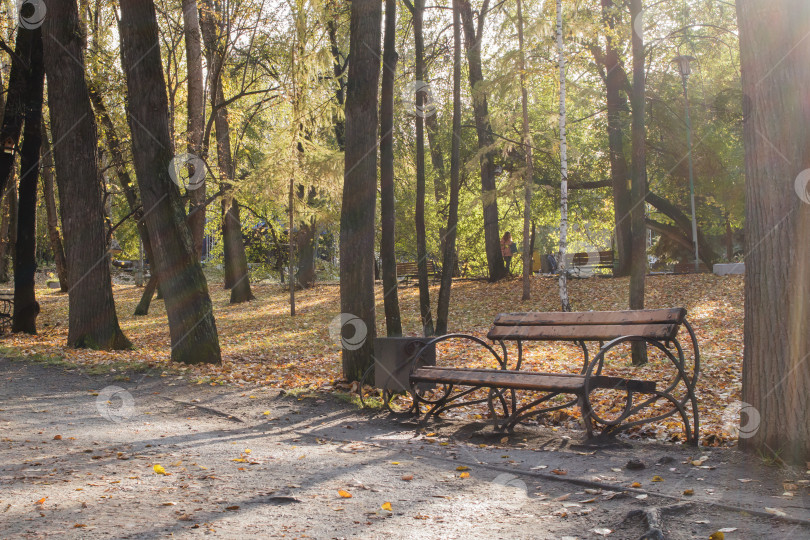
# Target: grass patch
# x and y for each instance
(12, 353)
(371, 402)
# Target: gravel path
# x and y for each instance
(81, 457)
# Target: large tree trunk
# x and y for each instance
(92, 319)
(26, 307)
(638, 190)
(14, 105)
(449, 259)
(338, 68)
(360, 185)
(776, 376)
(419, 217)
(616, 83)
(237, 278)
(393, 323)
(116, 149)
(196, 117)
(565, 300)
(49, 196)
(188, 305)
(529, 174)
(9, 232)
(489, 191)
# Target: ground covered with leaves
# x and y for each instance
(262, 345)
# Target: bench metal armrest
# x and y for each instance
(435, 341)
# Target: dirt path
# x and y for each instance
(78, 457)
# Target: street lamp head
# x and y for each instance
(684, 64)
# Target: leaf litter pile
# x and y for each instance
(263, 346)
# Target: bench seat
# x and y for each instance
(527, 380)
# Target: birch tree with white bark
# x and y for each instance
(566, 304)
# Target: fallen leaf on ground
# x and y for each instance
(387, 506)
(464, 475)
(344, 494)
(160, 470)
(407, 477)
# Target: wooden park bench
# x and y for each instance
(6, 310)
(442, 388)
(408, 270)
(596, 263)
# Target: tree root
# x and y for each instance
(653, 516)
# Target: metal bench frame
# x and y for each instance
(679, 391)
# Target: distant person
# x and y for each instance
(552, 263)
(508, 248)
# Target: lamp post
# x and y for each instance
(685, 69)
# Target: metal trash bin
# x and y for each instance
(391, 367)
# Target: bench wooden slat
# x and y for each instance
(590, 332)
(411, 269)
(649, 316)
(526, 380)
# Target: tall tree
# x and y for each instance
(528, 179)
(49, 200)
(188, 305)
(775, 78)
(449, 260)
(360, 181)
(473, 36)
(393, 323)
(616, 85)
(115, 147)
(418, 11)
(26, 307)
(214, 33)
(196, 116)
(13, 111)
(564, 298)
(8, 230)
(638, 190)
(92, 319)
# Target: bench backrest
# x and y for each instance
(658, 324)
(603, 258)
(412, 268)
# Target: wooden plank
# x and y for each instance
(643, 316)
(592, 332)
(517, 380)
(617, 383)
(527, 380)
